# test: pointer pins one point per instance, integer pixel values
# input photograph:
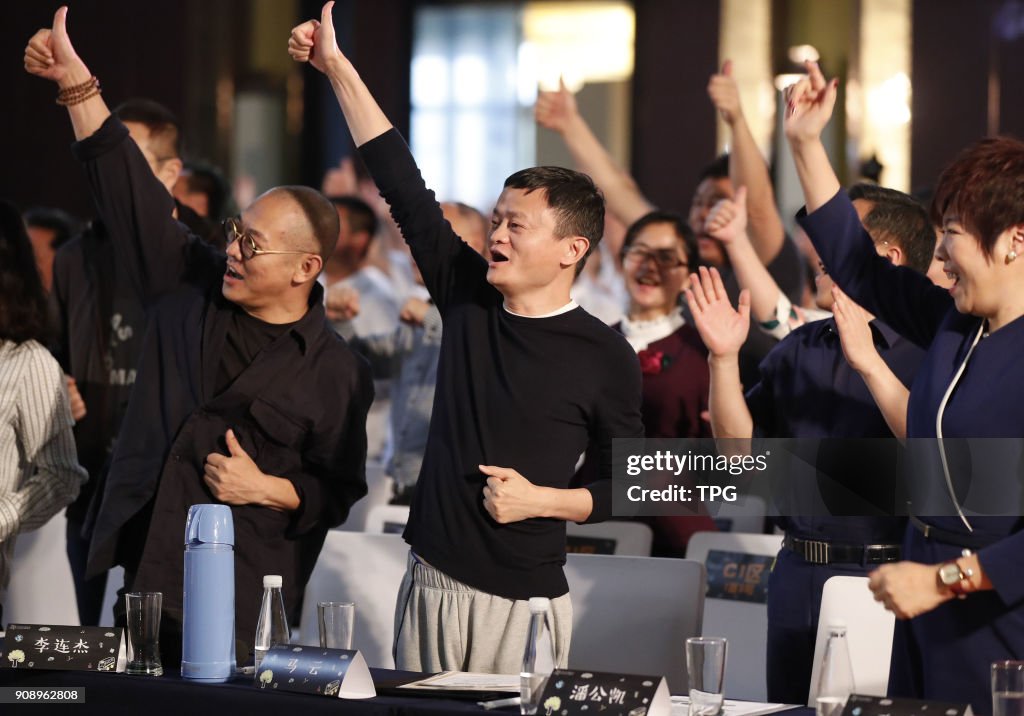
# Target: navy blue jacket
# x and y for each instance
(945, 653)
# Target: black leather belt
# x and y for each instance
(957, 539)
(822, 552)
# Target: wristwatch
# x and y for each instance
(951, 577)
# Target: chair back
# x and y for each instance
(634, 614)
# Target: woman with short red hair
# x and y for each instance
(960, 591)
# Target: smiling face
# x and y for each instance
(264, 282)
(655, 269)
(976, 280)
(526, 254)
(709, 192)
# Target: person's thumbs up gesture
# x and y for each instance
(234, 478)
(555, 110)
(728, 219)
(725, 94)
(50, 54)
(314, 41)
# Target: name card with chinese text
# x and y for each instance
(738, 576)
(63, 648)
(570, 692)
(858, 705)
(340, 673)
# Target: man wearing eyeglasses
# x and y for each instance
(244, 394)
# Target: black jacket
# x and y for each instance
(299, 410)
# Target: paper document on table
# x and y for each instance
(467, 681)
(681, 706)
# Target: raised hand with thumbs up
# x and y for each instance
(50, 55)
(725, 94)
(314, 41)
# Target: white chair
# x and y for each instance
(745, 515)
(743, 624)
(869, 631)
(632, 539)
(41, 589)
(634, 614)
(388, 519)
(379, 489)
(364, 568)
(115, 580)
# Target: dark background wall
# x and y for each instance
(673, 122)
(128, 45)
(181, 53)
(966, 83)
(968, 75)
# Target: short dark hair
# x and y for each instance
(321, 215)
(717, 169)
(23, 314)
(575, 199)
(60, 222)
(900, 219)
(680, 227)
(361, 217)
(207, 179)
(984, 189)
(163, 126)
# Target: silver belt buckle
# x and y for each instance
(818, 552)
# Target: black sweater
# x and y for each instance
(524, 393)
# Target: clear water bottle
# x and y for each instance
(272, 626)
(835, 678)
(539, 657)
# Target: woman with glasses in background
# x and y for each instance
(657, 253)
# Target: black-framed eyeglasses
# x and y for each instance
(663, 258)
(246, 243)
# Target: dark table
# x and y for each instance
(116, 694)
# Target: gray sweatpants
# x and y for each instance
(444, 625)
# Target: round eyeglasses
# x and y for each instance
(246, 242)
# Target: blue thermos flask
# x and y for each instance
(208, 624)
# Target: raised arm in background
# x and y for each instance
(728, 223)
(558, 112)
(134, 206)
(747, 168)
(315, 42)
(809, 105)
(889, 393)
(723, 330)
(905, 299)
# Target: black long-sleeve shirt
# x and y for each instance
(524, 393)
(299, 409)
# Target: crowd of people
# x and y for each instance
(260, 360)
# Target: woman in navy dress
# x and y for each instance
(959, 594)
